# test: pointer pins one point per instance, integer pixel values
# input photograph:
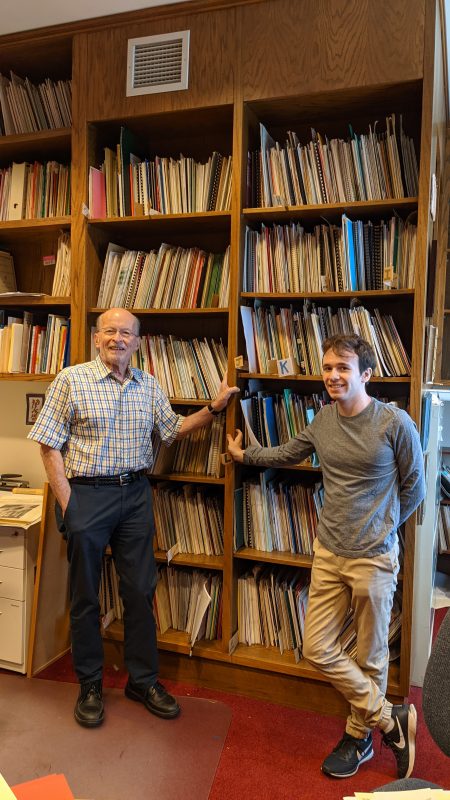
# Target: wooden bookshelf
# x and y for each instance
(163, 312)
(25, 376)
(332, 211)
(184, 401)
(28, 300)
(268, 376)
(289, 559)
(187, 477)
(250, 62)
(380, 294)
(191, 560)
(42, 145)
(172, 640)
(28, 228)
(195, 220)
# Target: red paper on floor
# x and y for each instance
(50, 787)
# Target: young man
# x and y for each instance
(95, 434)
(372, 469)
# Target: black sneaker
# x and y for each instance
(402, 738)
(89, 707)
(347, 756)
(155, 699)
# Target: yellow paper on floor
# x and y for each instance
(409, 794)
(5, 792)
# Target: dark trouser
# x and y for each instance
(122, 517)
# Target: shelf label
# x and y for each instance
(433, 197)
(108, 618)
(172, 552)
(241, 363)
(287, 366)
(233, 643)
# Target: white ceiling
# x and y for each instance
(24, 15)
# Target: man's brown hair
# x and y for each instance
(351, 343)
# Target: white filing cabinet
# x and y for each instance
(18, 549)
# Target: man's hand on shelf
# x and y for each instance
(235, 446)
(225, 392)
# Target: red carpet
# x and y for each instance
(274, 753)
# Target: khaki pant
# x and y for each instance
(367, 585)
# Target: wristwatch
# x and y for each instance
(212, 410)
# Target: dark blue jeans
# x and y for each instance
(122, 517)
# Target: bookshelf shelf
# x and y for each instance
(401, 294)
(191, 560)
(303, 468)
(39, 145)
(168, 312)
(194, 219)
(289, 559)
(185, 477)
(172, 640)
(186, 401)
(12, 230)
(332, 211)
(178, 642)
(27, 300)
(25, 376)
(261, 657)
(310, 378)
(264, 658)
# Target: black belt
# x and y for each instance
(110, 480)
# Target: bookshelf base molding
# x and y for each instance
(273, 687)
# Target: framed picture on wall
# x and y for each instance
(34, 405)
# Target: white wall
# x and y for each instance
(445, 418)
(17, 453)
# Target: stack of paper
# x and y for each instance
(20, 510)
(410, 794)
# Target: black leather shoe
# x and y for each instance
(89, 708)
(155, 699)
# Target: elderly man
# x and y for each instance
(95, 435)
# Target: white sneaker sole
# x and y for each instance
(412, 728)
(365, 757)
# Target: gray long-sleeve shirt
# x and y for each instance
(372, 468)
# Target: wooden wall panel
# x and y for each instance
(293, 48)
(211, 67)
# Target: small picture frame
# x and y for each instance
(34, 405)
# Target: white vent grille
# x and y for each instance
(158, 63)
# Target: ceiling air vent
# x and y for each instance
(158, 63)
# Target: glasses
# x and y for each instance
(123, 332)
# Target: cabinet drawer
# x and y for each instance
(12, 583)
(12, 548)
(11, 630)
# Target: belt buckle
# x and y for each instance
(124, 479)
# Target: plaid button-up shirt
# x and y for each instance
(101, 426)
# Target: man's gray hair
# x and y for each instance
(137, 321)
